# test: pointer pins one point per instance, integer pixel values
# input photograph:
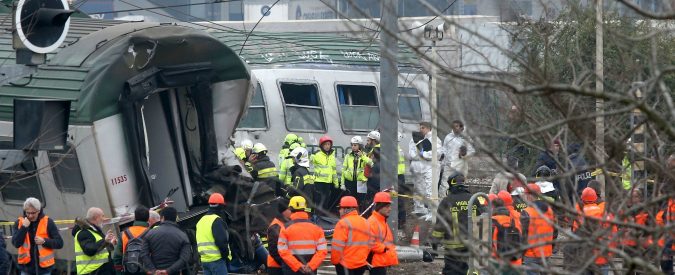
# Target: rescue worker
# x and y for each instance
(457, 149)
(285, 165)
(453, 212)
(592, 221)
(505, 246)
(420, 153)
(264, 169)
(286, 147)
(141, 216)
(35, 237)
(372, 172)
(302, 180)
(302, 244)
(634, 241)
(353, 173)
(212, 237)
(538, 222)
(274, 260)
(92, 247)
(403, 188)
(247, 145)
(301, 141)
(325, 174)
(666, 217)
(166, 249)
(383, 250)
(350, 244)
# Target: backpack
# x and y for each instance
(508, 239)
(131, 260)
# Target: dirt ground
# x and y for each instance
(420, 268)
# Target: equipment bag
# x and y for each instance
(131, 259)
(508, 239)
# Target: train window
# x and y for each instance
(66, 170)
(409, 108)
(358, 107)
(18, 177)
(256, 116)
(303, 107)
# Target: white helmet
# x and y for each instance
(301, 155)
(400, 136)
(258, 148)
(356, 140)
(247, 144)
(374, 135)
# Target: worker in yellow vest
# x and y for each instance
(35, 237)
(92, 247)
(212, 237)
(325, 174)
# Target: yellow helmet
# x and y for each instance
(298, 203)
(259, 148)
(240, 152)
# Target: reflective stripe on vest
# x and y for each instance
(268, 173)
(206, 244)
(324, 167)
(348, 168)
(539, 233)
(285, 171)
(45, 255)
(87, 264)
(401, 162)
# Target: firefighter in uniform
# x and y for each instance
(274, 260)
(350, 244)
(383, 250)
(353, 175)
(302, 182)
(264, 169)
(302, 244)
(325, 173)
(286, 148)
(285, 174)
(35, 237)
(212, 237)
(453, 211)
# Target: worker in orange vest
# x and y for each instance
(666, 217)
(537, 222)
(274, 260)
(507, 199)
(35, 237)
(141, 216)
(506, 238)
(383, 250)
(635, 241)
(302, 244)
(350, 245)
(594, 219)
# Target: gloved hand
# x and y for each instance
(342, 187)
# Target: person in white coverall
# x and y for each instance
(420, 167)
(457, 149)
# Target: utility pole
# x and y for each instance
(599, 102)
(638, 144)
(389, 110)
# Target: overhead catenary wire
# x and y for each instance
(256, 25)
(430, 20)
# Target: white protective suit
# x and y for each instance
(420, 169)
(452, 163)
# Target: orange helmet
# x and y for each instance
(589, 195)
(216, 198)
(348, 202)
(533, 188)
(492, 197)
(383, 197)
(506, 197)
(324, 139)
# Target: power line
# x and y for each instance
(432, 19)
(265, 13)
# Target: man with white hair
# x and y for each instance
(154, 218)
(92, 247)
(35, 237)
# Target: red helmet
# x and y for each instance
(383, 197)
(324, 139)
(492, 197)
(506, 197)
(533, 188)
(216, 198)
(589, 195)
(348, 202)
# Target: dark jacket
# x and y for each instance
(118, 256)
(220, 235)
(456, 202)
(297, 178)
(548, 159)
(54, 242)
(90, 246)
(262, 162)
(166, 247)
(4, 259)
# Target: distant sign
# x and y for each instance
(265, 10)
(311, 10)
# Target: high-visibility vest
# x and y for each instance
(351, 241)
(401, 162)
(382, 237)
(135, 231)
(302, 240)
(86, 264)
(666, 216)
(206, 243)
(270, 261)
(629, 234)
(504, 221)
(539, 233)
(591, 211)
(46, 255)
(285, 171)
(348, 167)
(266, 169)
(283, 153)
(325, 170)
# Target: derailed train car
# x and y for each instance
(151, 105)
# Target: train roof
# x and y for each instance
(69, 71)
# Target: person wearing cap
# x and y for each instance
(507, 199)
(325, 174)
(593, 222)
(286, 147)
(350, 244)
(457, 148)
(302, 181)
(283, 215)
(382, 245)
(420, 153)
(212, 237)
(353, 169)
(36, 238)
(452, 225)
(538, 224)
(302, 244)
(285, 174)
